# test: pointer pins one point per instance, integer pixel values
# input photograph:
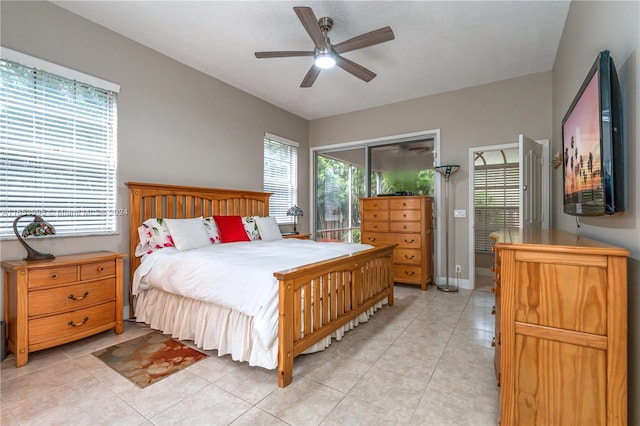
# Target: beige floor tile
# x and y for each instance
(440, 406)
(251, 384)
(256, 416)
(37, 360)
(339, 373)
(352, 411)
(154, 399)
(391, 391)
(209, 406)
(303, 402)
(75, 403)
(402, 359)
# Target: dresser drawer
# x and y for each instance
(68, 324)
(375, 204)
(47, 277)
(407, 256)
(404, 226)
(405, 203)
(376, 239)
(404, 241)
(376, 226)
(368, 215)
(97, 270)
(404, 215)
(407, 273)
(70, 298)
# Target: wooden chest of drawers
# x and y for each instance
(407, 222)
(561, 329)
(51, 302)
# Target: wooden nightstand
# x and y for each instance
(51, 302)
(298, 236)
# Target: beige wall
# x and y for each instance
(175, 125)
(484, 115)
(590, 28)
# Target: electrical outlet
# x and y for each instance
(458, 268)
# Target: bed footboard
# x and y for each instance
(315, 300)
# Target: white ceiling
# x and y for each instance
(438, 46)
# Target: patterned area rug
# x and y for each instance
(149, 358)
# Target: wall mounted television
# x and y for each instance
(592, 143)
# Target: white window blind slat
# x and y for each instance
(496, 201)
(58, 149)
(281, 176)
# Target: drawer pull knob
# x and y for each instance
(54, 276)
(84, 321)
(493, 290)
(493, 310)
(409, 272)
(375, 215)
(101, 269)
(493, 342)
(404, 215)
(371, 239)
(408, 241)
(72, 297)
(406, 256)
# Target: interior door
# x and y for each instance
(531, 183)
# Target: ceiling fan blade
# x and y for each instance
(357, 70)
(311, 76)
(378, 36)
(310, 23)
(283, 54)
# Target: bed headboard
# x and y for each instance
(147, 200)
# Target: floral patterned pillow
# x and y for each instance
(154, 235)
(212, 230)
(251, 227)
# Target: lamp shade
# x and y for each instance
(37, 228)
(295, 211)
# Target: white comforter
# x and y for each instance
(235, 275)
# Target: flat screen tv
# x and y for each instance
(593, 157)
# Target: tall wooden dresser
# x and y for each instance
(406, 221)
(561, 317)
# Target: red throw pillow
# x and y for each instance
(231, 229)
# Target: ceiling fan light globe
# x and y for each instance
(325, 61)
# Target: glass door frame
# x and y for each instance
(366, 144)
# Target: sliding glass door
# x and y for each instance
(340, 182)
(342, 177)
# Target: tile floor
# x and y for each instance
(427, 360)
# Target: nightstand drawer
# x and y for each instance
(70, 298)
(404, 226)
(46, 277)
(68, 324)
(97, 270)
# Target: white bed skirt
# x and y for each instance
(214, 327)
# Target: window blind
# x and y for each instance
(496, 198)
(58, 154)
(281, 176)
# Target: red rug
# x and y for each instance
(149, 358)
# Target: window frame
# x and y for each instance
(279, 203)
(68, 216)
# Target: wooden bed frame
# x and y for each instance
(352, 283)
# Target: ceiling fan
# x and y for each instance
(327, 55)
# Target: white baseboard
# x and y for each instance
(460, 283)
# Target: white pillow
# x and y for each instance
(188, 234)
(268, 228)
